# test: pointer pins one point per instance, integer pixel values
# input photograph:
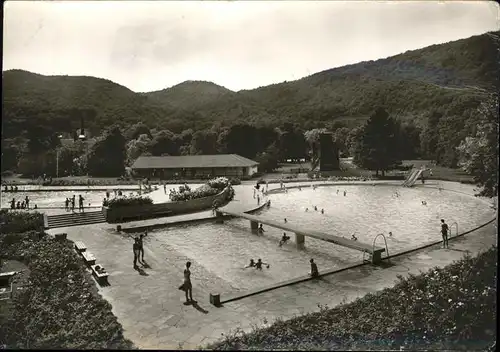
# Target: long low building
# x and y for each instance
(194, 166)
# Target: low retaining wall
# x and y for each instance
(121, 214)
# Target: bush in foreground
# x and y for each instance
(60, 307)
(128, 201)
(20, 221)
(211, 188)
(451, 308)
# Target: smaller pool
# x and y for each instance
(55, 199)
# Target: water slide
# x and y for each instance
(314, 163)
(413, 177)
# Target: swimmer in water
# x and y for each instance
(315, 208)
(286, 220)
(424, 202)
(307, 209)
(390, 233)
(284, 239)
(251, 265)
(354, 238)
(259, 263)
(261, 229)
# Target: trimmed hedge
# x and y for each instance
(211, 188)
(12, 221)
(60, 307)
(128, 201)
(450, 308)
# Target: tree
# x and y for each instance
(108, 155)
(240, 139)
(378, 149)
(268, 160)
(478, 154)
(164, 143)
(137, 147)
(204, 142)
(429, 136)
(312, 139)
(134, 131)
(292, 143)
(340, 137)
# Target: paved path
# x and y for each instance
(149, 305)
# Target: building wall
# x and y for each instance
(194, 172)
(252, 170)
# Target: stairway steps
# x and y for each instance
(75, 219)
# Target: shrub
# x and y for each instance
(219, 183)
(129, 201)
(235, 181)
(211, 188)
(19, 221)
(59, 307)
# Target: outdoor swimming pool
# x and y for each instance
(55, 199)
(365, 210)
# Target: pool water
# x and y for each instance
(224, 249)
(94, 198)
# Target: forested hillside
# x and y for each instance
(407, 85)
(432, 94)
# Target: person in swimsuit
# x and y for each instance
(261, 229)
(444, 233)
(354, 238)
(284, 239)
(322, 211)
(286, 220)
(187, 287)
(141, 245)
(314, 268)
(251, 265)
(259, 263)
(136, 249)
(315, 208)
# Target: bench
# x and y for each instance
(101, 277)
(80, 246)
(61, 236)
(88, 257)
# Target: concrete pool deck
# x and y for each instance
(149, 305)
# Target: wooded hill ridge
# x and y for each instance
(447, 78)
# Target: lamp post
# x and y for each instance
(57, 158)
(83, 138)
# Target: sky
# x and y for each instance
(148, 46)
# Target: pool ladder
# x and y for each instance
(373, 248)
(456, 226)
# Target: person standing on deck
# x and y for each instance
(141, 245)
(314, 268)
(80, 203)
(444, 233)
(136, 250)
(187, 287)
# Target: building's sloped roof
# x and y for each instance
(192, 161)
